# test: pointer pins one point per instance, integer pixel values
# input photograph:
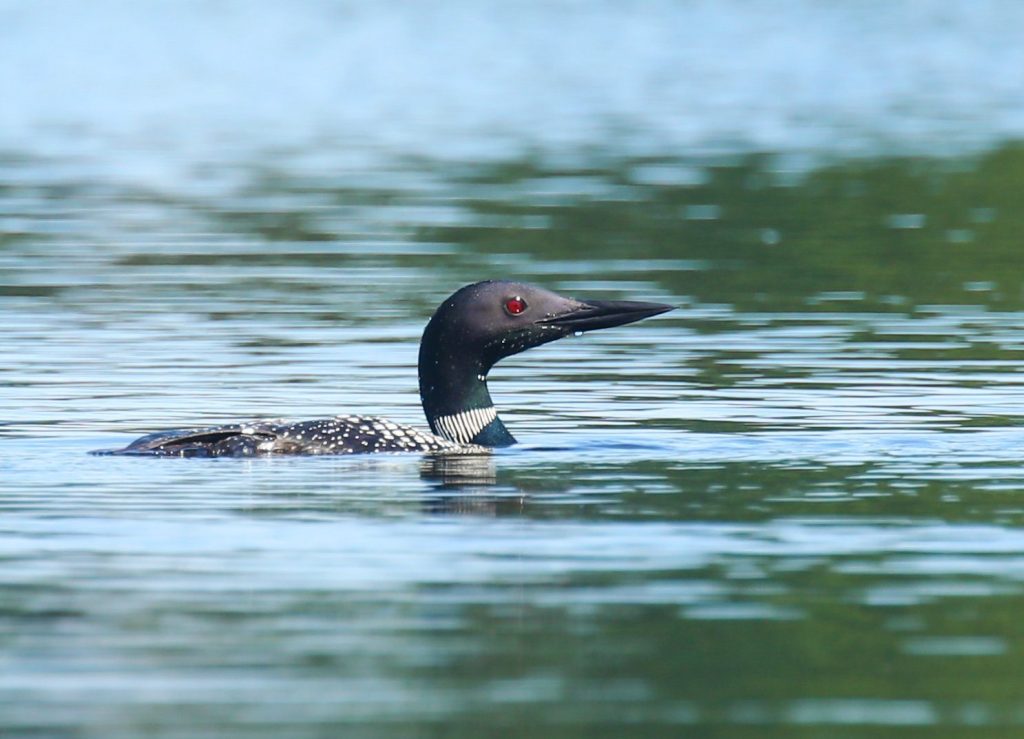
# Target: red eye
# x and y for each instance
(515, 306)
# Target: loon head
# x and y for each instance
(485, 322)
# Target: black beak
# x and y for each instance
(597, 314)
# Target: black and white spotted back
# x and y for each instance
(338, 435)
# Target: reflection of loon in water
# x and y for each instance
(463, 484)
(471, 331)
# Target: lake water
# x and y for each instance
(792, 507)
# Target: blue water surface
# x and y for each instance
(792, 507)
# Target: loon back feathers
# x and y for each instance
(471, 331)
(338, 435)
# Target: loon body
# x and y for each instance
(469, 333)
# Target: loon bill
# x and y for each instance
(469, 333)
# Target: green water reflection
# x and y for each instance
(885, 235)
(792, 508)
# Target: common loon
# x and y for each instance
(476, 327)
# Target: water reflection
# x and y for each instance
(465, 484)
(464, 471)
(796, 502)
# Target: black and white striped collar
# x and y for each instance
(465, 425)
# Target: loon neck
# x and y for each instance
(453, 390)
